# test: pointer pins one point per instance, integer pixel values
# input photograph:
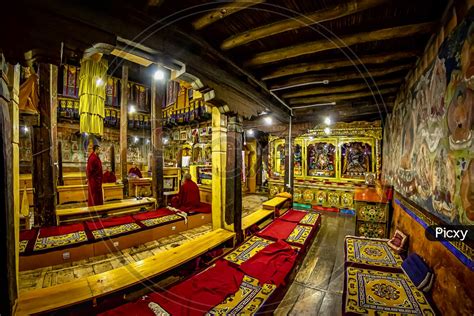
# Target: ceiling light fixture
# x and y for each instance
(159, 75)
(327, 120)
(250, 132)
(268, 120)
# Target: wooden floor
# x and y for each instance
(317, 288)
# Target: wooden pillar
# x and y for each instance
(259, 154)
(9, 218)
(44, 150)
(219, 154)
(158, 92)
(289, 166)
(233, 209)
(60, 164)
(124, 129)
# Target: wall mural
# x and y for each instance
(428, 139)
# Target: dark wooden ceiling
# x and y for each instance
(363, 49)
(384, 40)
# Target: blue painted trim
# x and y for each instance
(458, 254)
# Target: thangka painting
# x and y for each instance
(428, 142)
(356, 160)
(321, 159)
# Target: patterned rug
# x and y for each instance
(373, 292)
(160, 220)
(60, 240)
(247, 300)
(373, 252)
(247, 250)
(311, 219)
(60, 236)
(115, 230)
(300, 235)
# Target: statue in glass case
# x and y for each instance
(298, 161)
(356, 158)
(321, 160)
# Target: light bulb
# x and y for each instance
(327, 121)
(159, 75)
(132, 109)
(99, 82)
(250, 132)
(327, 131)
(268, 120)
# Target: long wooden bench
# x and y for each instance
(109, 209)
(256, 217)
(92, 287)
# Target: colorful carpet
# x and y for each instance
(373, 292)
(247, 250)
(247, 300)
(300, 235)
(60, 236)
(158, 217)
(112, 226)
(373, 252)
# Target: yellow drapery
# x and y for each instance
(29, 96)
(92, 83)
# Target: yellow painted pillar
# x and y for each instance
(219, 160)
(14, 89)
(252, 179)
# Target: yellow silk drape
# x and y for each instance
(92, 83)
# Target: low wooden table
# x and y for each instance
(92, 287)
(109, 209)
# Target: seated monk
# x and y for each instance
(135, 172)
(109, 176)
(188, 196)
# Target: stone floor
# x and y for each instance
(53, 275)
(252, 203)
(318, 286)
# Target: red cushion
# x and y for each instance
(278, 229)
(27, 234)
(60, 230)
(153, 214)
(109, 222)
(293, 216)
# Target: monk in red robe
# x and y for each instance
(188, 197)
(94, 178)
(109, 176)
(135, 171)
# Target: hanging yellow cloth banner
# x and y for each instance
(92, 82)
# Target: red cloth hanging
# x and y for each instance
(202, 292)
(272, 264)
(94, 180)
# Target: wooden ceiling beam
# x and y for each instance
(340, 89)
(343, 41)
(334, 64)
(223, 11)
(336, 77)
(334, 12)
(340, 97)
